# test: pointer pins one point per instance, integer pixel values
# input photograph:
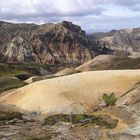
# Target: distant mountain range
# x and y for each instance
(127, 40)
(63, 42)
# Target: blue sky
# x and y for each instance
(91, 15)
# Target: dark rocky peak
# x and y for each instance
(64, 31)
(72, 27)
(63, 26)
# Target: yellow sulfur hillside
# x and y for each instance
(75, 93)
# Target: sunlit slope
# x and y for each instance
(75, 93)
(110, 62)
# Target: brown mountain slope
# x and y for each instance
(110, 62)
(125, 39)
(47, 43)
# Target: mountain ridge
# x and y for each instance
(48, 43)
(127, 39)
(63, 42)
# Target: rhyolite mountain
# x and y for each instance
(126, 39)
(48, 43)
(62, 42)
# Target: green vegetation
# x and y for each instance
(20, 70)
(101, 120)
(12, 69)
(9, 115)
(10, 83)
(110, 100)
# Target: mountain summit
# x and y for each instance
(48, 43)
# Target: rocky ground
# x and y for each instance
(111, 123)
(112, 119)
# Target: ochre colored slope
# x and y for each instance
(75, 93)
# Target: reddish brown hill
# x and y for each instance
(47, 43)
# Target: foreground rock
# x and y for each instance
(17, 126)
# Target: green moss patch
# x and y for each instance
(12, 69)
(10, 83)
(110, 100)
(101, 120)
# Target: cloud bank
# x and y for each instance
(92, 15)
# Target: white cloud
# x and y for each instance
(90, 14)
(121, 12)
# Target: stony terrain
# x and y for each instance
(19, 126)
